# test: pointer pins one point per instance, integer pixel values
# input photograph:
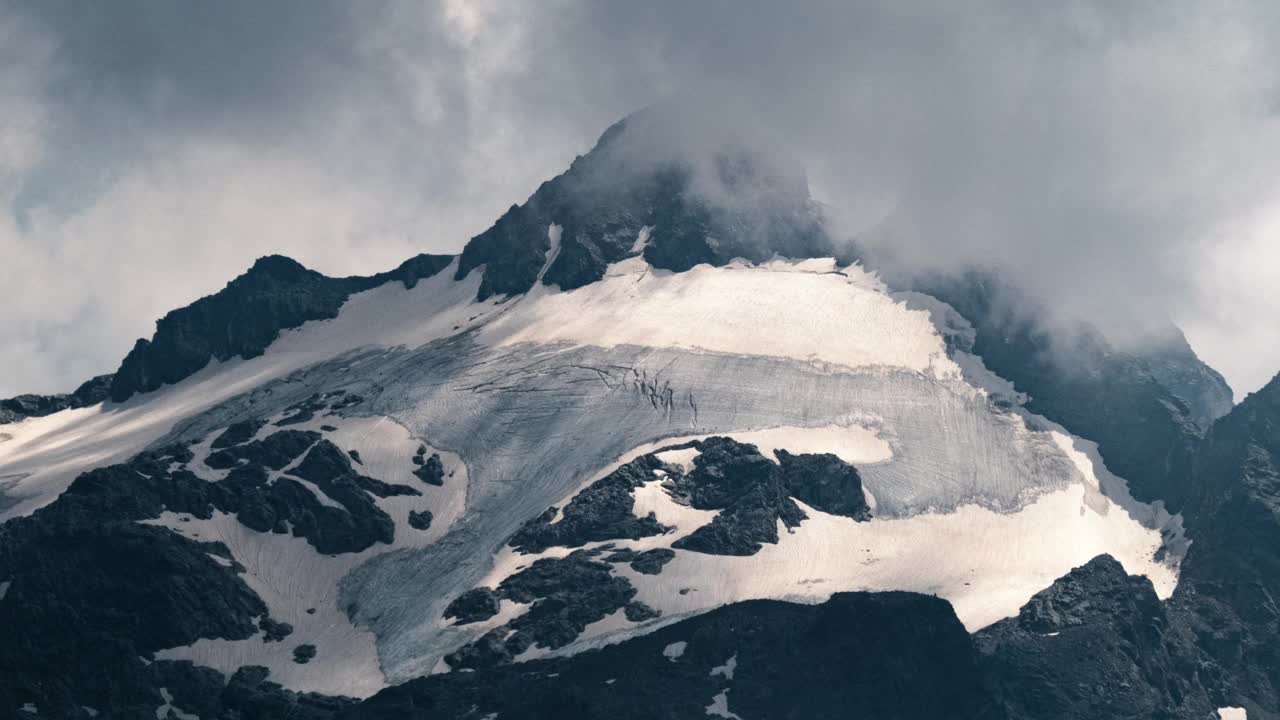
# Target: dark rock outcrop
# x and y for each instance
(206, 693)
(420, 519)
(240, 432)
(602, 511)
(565, 595)
(826, 483)
(747, 489)
(1229, 590)
(246, 316)
(883, 656)
(92, 592)
(1097, 643)
(274, 631)
(304, 653)
(274, 451)
(429, 471)
(753, 493)
(91, 392)
(473, 606)
(648, 562)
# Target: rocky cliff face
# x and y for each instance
(1097, 643)
(1131, 404)
(1175, 365)
(1231, 577)
(242, 319)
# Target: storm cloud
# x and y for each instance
(1119, 158)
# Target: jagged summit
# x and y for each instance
(243, 318)
(647, 188)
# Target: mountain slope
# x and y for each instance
(634, 409)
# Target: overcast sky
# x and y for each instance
(1112, 155)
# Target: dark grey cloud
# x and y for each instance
(1117, 156)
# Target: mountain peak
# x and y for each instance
(659, 184)
(242, 319)
(277, 266)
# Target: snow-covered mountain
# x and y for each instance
(645, 448)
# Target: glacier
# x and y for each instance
(530, 397)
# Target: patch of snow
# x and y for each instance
(4, 588)
(719, 706)
(508, 610)
(743, 309)
(642, 239)
(31, 708)
(1232, 713)
(553, 236)
(727, 668)
(533, 652)
(949, 323)
(320, 495)
(199, 453)
(91, 712)
(162, 712)
(220, 560)
(680, 458)
(609, 624)
(673, 651)
(651, 498)
(976, 374)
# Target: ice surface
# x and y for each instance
(675, 650)
(804, 311)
